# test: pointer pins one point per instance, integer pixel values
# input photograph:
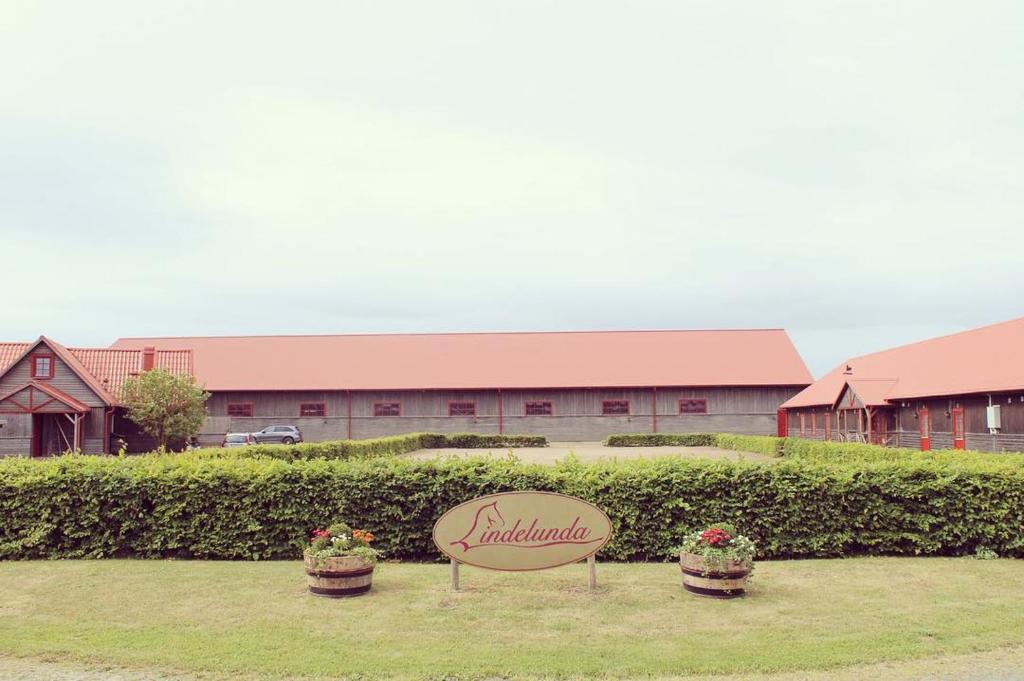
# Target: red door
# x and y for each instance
(783, 423)
(880, 428)
(959, 436)
(926, 429)
(37, 434)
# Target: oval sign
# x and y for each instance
(518, 531)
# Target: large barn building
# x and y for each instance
(963, 391)
(567, 386)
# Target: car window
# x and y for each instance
(236, 438)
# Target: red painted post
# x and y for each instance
(959, 429)
(926, 429)
(782, 418)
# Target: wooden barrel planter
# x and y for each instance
(338, 577)
(698, 579)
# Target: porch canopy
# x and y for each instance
(46, 404)
(36, 397)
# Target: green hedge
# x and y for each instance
(227, 508)
(363, 449)
(661, 440)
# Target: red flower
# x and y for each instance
(714, 536)
(321, 534)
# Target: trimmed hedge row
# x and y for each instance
(662, 440)
(226, 508)
(364, 449)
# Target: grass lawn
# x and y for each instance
(256, 619)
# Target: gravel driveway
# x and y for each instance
(593, 451)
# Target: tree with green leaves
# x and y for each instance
(165, 405)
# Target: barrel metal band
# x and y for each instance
(715, 593)
(714, 575)
(361, 572)
(339, 593)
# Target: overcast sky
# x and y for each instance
(851, 171)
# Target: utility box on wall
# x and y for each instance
(994, 417)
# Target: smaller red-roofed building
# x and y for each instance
(962, 391)
(55, 399)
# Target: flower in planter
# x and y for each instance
(720, 546)
(341, 540)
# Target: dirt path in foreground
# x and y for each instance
(1004, 664)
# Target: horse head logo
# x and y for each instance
(487, 517)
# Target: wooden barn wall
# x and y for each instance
(906, 424)
(16, 435)
(576, 413)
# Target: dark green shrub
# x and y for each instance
(661, 440)
(478, 441)
(245, 508)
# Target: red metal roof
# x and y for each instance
(976, 361)
(103, 369)
(491, 360)
(871, 391)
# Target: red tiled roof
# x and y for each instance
(104, 369)
(976, 361)
(491, 360)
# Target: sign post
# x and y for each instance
(522, 531)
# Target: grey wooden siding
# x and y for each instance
(576, 412)
(16, 435)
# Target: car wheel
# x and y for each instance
(288, 441)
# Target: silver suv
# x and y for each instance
(286, 435)
(238, 440)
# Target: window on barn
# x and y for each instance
(240, 409)
(387, 409)
(462, 409)
(615, 408)
(312, 409)
(538, 409)
(42, 366)
(693, 406)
